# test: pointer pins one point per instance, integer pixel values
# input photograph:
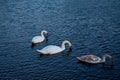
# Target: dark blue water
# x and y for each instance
(92, 26)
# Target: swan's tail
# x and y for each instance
(38, 50)
(78, 58)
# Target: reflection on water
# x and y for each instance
(64, 54)
(92, 26)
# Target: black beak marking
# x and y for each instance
(70, 48)
(46, 35)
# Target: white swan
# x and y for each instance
(92, 59)
(53, 49)
(39, 39)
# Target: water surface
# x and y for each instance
(92, 26)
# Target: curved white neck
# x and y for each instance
(65, 42)
(104, 57)
(42, 33)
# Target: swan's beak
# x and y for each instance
(46, 35)
(112, 60)
(70, 48)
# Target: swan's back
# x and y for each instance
(90, 59)
(37, 39)
(51, 49)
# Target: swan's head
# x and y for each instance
(69, 44)
(111, 58)
(107, 55)
(45, 32)
(70, 48)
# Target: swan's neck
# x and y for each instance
(64, 43)
(105, 56)
(43, 32)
